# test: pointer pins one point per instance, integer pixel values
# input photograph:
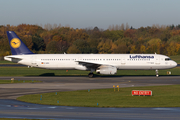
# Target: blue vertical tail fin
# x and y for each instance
(16, 44)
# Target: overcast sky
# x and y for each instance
(90, 13)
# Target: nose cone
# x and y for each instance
(174, 64)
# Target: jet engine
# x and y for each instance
(106, 70)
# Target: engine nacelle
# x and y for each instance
(106, 70)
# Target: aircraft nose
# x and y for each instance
(174, 64)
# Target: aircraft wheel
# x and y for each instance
(90, 75)
(157, 75)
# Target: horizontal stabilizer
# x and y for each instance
(15, 59)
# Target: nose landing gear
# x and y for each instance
(157, 73)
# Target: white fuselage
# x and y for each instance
(71, 61)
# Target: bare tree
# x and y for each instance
(54, 26)
(122, 26)
(47, 26)
(127, 26)
(117, 27)
(110, 27)
(163, 27)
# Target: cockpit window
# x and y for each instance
(167, 59)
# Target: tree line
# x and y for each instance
(116, 39)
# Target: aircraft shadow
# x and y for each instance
(96, 75)
(47, 74)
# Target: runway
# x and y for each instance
(52, 84)
(9, 107)
(13, 108)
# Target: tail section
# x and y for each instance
(16, 44)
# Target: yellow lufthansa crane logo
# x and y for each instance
(15, 43)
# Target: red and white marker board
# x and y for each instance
(142, 92)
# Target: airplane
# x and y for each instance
(106, 64)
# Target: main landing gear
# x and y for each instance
(90, 75)
(157, 73)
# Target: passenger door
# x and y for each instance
(123, 61)
(33, 61)
(157, 60)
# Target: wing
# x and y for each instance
(90, 64)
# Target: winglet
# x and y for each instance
(16, 44)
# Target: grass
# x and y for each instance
(174, 71)
(17, 81)
(163, 96)
(176, 58)
(24, 71)
(6, 62)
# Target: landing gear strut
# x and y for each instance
(157, 73)
(90, 75)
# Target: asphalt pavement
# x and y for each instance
(11, 108)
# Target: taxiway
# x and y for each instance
(9, 107)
